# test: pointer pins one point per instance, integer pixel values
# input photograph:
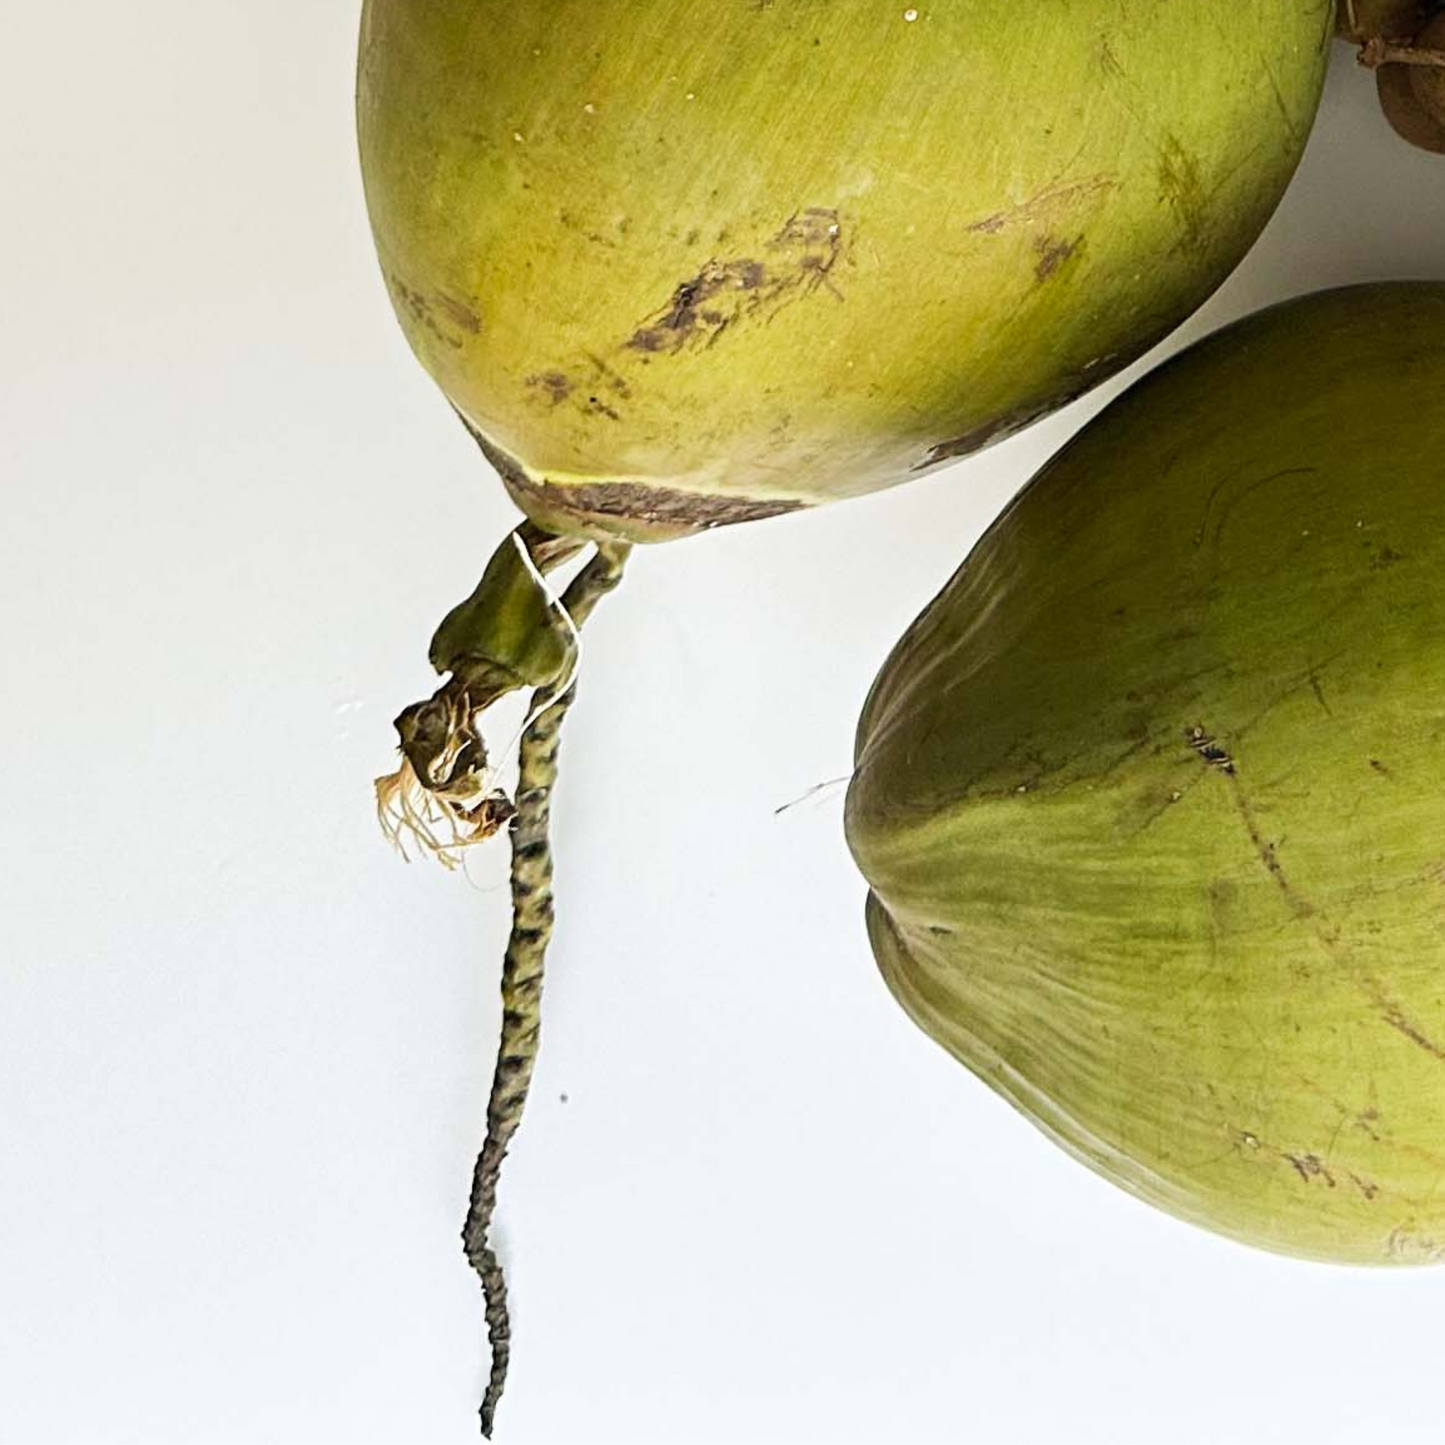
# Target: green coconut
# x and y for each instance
(684, 262)
(679, 263)
(1149, 799)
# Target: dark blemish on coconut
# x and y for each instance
(1039, 205)
(552, 384)
(981, 436)
(724, 293)
(460, 314)
(1182, 188)
(419, 307)
(1052, 253)
(585, 384)
(1310, 1166)
(689, 310)
(1392, 1013)
(660, 507)
(614, 381)
(597, 238)
(662, 510)
(1266, 851)
(1073, 385)
(1367, 1187)
(817, 226)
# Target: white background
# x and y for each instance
(244, 1049)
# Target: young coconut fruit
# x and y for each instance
(678, 263)
(1149, 799)
(681, 263)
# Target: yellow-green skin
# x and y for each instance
(682, 262)
(1151, 798)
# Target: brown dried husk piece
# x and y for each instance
(1413, 95)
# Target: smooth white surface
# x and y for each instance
(244, 1050)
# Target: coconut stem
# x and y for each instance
(532, 917)
(509, 634)
(1378, 52)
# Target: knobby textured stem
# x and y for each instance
(532, 917)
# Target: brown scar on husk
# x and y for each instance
(1181, 187)
(1045, 201)
(1265, 851)
(802, 256)
(1400, 1021)
(1218, 758)
(613, 380)
(598, 407)
(993, 430)
(674, 326)
(1309, 1167)
(632, 509)
(423, 312)
(1071, 386)
(459, 313)
(585, 384)
(1366, 1121)
(663, 507)
(1367, 1187)
(1052, 253)
(555, 385)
